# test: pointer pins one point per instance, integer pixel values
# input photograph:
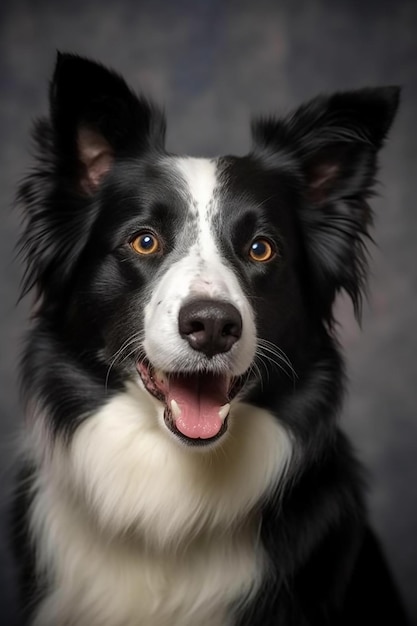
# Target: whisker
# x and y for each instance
(129, 354)
(274, 349)
(267, 351)
(136, 337)
(261, 362)
(253, 371)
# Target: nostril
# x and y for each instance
(231, 329)
(196, 327)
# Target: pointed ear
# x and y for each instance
(96, 119)
(339, 138)
(333, 143)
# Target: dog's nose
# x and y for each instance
(210, 326)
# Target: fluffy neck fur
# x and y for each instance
(197, 510)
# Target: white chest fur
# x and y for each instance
(133, 529)
(99, 582)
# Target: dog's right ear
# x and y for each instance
(96, 119)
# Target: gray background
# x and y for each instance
(213, 64)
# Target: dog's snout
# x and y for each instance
(210, 326)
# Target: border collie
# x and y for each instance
(183, 460)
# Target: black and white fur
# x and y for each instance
(121, 519)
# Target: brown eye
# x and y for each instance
(146, 243)
(261, 250)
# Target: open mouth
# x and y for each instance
(196, 405)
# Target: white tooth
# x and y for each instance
(176, 411)
(224, 411)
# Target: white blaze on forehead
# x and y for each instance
(200, 177)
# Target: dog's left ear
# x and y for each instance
(333, 141)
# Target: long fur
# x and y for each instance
(121, 519)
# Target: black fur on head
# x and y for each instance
(95, 119)
(334, 142)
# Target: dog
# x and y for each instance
(182, 461)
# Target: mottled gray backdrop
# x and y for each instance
(213, 64)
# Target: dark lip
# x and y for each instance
(151, 388)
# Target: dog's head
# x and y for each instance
(192, 275)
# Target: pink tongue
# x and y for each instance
(199, 399)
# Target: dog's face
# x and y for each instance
(191, 271)
(191, 276)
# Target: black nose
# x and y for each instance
(210, 326)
